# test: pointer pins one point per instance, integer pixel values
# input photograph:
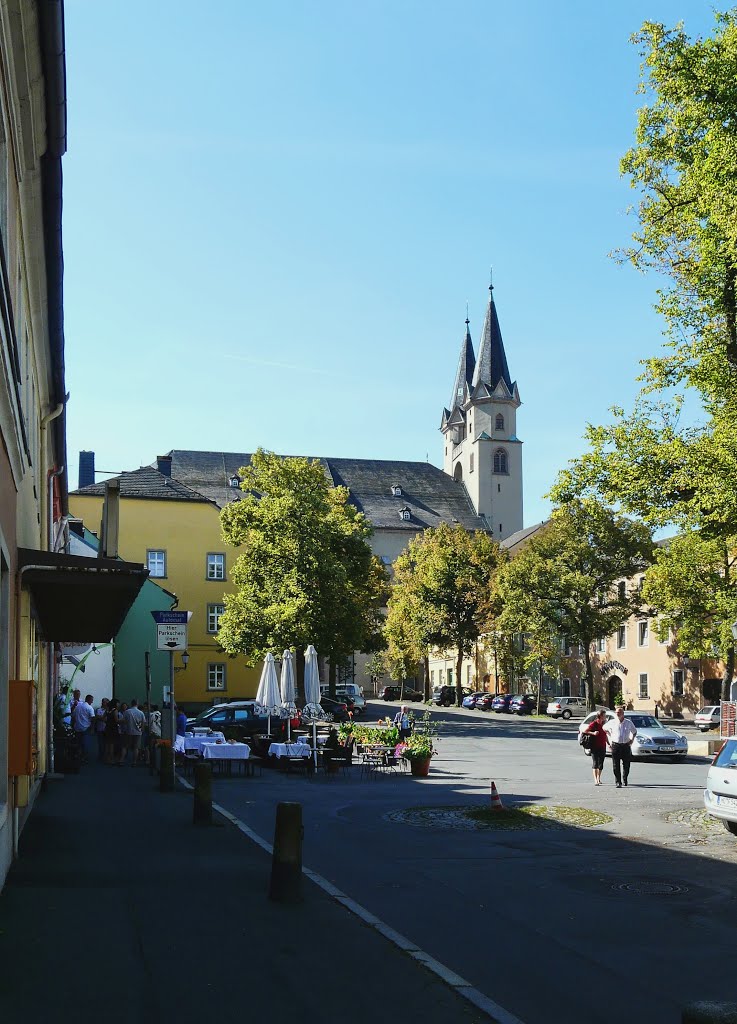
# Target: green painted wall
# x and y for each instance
(138, 635)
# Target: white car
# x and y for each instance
(708, 718)
(652, 739)
(720, 795)
(566, 707)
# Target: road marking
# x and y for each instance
(497, 1014)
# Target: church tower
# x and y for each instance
(482, 450)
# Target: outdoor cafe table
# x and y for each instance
(226, 751)
(197, 742)
(290, 750)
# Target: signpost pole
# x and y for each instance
(172, 710)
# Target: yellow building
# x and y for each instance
(175, 532)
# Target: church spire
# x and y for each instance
(492, 362)
(464, 374)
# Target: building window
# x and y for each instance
(666, 639)
(397, 491)
(622, 591)
(432, 677)
(468, 675)
(235, 481)
(214, 611)
(499, 422)
(678, 682)
(450, 677)
(621, 638)
(216, 676)
(440, 676)
(643, 685)
(471, 463)
(500, 461)
(156, 561)
(215, 567)
(643, 633)
(601, 645)
(581, 687)
(405, 515)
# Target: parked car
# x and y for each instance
(443, 696)
(652, 739)
(709, 717)
(470, 700)
(394, 692)
(566, 707)
(501, 702)
(523, 704)
(237, 719)
(720, 795)
(350, 693)
(337, 708)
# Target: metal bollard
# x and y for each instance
(166, 769)
(285, 885)
(706, 1012)
(202, 807)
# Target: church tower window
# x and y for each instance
(499, 423)
(500, 461)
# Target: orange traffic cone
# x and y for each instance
(496, 800)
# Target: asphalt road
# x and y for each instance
(546, 921)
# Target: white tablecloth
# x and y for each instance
(226, 751)
(197, 742)
(290, 749)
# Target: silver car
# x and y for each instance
(720, 795)
(653, 740)
(708, 718)
(566, 707)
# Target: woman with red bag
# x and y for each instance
(598, 746)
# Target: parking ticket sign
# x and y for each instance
(171, 630)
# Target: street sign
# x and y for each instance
(171, 630)
(171, 637)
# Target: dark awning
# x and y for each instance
(77, 598)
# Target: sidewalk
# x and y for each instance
(120, 910)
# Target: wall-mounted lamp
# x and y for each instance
(185, 658)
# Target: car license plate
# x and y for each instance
(727, 801)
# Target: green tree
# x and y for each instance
(684, 165)
(694, 585)
(566, 582)
(441, 593)
(305, 573)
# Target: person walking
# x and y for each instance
(83, 718)
(403, 722)
(620, 733)
(598, 747)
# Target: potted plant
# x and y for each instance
(418, 749)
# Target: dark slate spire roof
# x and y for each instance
(492, 362)
(464, 374)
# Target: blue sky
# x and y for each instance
(275, 214)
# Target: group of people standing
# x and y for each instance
(618, 734)
(124, 732)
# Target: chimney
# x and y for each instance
(163, 464)
(86, 469)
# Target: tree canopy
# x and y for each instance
(441, 593)
(567, 581)
(305, 573)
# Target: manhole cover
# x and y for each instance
(644, 888)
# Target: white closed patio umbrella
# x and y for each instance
(288, 690)
(312, 694)
(267, 695)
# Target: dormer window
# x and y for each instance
(396, 490)
(405, 514)
(499, 422)
(235, 481)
